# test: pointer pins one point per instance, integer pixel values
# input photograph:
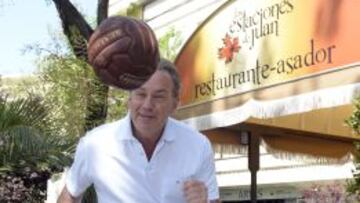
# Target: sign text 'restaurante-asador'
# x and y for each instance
(262, 72)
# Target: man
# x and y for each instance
(146, 157)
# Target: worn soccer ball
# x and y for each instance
(123, 52)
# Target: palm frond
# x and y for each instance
(27, 139)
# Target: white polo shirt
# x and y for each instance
(114, 160)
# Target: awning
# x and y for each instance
(287, 70)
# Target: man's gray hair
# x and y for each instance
(169, 67)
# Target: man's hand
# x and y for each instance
(195, 191)
(65, 197)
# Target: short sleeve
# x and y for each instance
(77, 179)
(207, 171)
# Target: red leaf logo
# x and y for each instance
(231, 46)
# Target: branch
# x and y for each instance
(102, 11)
(71, 17)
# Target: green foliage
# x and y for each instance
(117, 104)
(170, 43)
(28, 138)
(134, 10)
(20, 86)
(353, 121)
(78, 43)
(30, 149)
(64, 80)
(67, 82)
(353, 185)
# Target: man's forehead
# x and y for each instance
(152, 89)
(160, 80)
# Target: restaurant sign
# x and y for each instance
(251, 44)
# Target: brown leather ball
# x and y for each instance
(123, 52)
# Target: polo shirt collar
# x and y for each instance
(127, 135)
(125, 131)
(168, 133)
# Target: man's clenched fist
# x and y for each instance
(195, 191)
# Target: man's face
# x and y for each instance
(152, 103)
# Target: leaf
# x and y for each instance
(231, 46)
(26, 139)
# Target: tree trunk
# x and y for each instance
(78, 32)
(102, 10)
